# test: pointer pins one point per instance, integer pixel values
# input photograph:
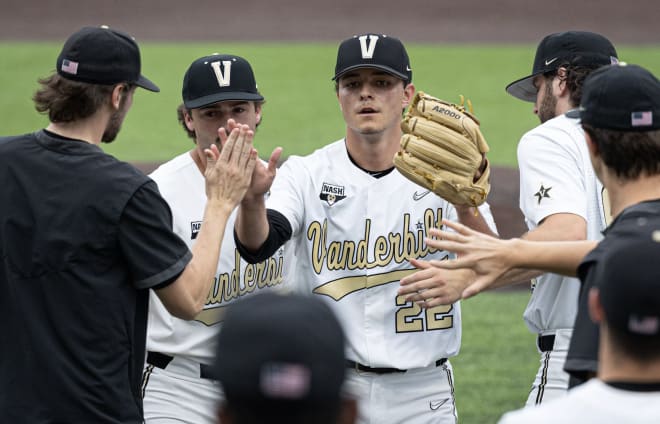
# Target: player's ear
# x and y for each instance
(224, 417)
(408, 93)
(118, 92)
(257, 110)
(187, 118)
(595, 308)
(349, 411)
(591, 145)
(561, 82)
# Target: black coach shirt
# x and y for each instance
(83, 237)
(634, 221)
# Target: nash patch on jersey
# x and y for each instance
(332, 194)
(195, 226)
(542, 193)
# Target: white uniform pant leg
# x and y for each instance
(551, 380)
(171, 398)
(418, 396)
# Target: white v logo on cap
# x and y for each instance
(224, 80)
(368, 49)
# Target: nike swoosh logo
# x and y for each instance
(418, 195)
(436, 404)
(547, 62)
(408, 68)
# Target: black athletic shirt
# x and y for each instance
(83, 237)
(582, 357)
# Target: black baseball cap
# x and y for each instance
(628, 278)
(280, 352)
(562, 49)
(373, 51)
(101, 55)
(620, 97)
(218, 78)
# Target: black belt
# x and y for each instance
(546, 343)
(162, 360)
(382, 370)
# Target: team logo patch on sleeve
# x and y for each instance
(195, 226)
(332, 194)
(542, 193)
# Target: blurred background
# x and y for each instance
(466, 21)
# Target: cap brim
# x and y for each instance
(523, 89)
(222, 97)
(367, 65)
(146, 84)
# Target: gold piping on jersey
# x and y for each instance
(341, 287)
(349, 255)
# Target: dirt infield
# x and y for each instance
(465, 21)
(514, 21)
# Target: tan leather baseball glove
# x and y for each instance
(442, 149)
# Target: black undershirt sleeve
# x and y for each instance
(279, 232)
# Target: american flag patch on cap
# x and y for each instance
(285, 381)
(69, 66)
(638, 119)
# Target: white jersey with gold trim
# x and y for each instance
(353, 234)
(182, 186)
(594, 402)
(556, 176)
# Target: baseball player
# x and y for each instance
(354, 221)
(625, 302)
(84, 236)
(218, 91)
(560, 195)
(620, 113)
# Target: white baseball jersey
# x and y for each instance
(183, 187)
(593, 402)
(556, 176)
(353, 234)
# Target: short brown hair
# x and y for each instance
(628, 153)
(641, 348)
(574, 77)
(69, 101)
(180, 116)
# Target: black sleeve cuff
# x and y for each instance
(279, 232)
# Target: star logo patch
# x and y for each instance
(543, 192)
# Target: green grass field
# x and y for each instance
(301, 111)
(498, 359)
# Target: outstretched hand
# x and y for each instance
(433, 286)
(487, 257)
(229, 173)
(264, 174)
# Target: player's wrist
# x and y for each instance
(512, 252)
(466, 210)
(218, 206)
(253, 201)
